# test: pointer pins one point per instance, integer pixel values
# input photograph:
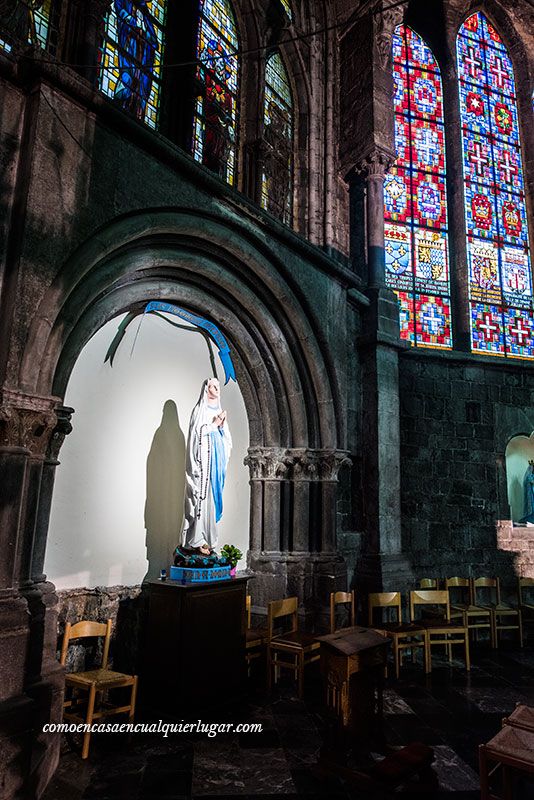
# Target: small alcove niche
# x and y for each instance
(519, 452)
(118, 498)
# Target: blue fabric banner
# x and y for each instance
(200, 322)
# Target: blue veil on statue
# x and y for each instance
(528, 488)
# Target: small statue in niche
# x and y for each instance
(208, 449)
(528, 487)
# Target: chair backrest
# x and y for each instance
(384, 600)
(464, 584)
(283, 608)
(487, 583)
(342, 598)
(248, 609)
(428, 583)
(524, 583)
(84, 630)
(429, 597)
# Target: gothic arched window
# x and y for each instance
(29, 21)
(500, 281)
(277, 161)
(416, 239)
(214, 131)
(131, 54)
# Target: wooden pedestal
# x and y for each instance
(195, 645)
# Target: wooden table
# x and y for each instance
(195, 644)
(352, 663)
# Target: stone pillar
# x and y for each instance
(367, 150)
(31, 681)
(293, 536)
(90, 16)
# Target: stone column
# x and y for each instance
(27, 698)
(293, 536)
(90, 17)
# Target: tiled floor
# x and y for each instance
(450, 710)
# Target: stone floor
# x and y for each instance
(450, 710)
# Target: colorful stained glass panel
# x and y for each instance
(487, 335)
(500, 279)
(22, 21)
(215, 123)
(277, 162)
(415, 202)
(131, 55)
(433, 321)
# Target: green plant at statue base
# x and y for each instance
(233, 554)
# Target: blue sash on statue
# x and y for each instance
(217, 471)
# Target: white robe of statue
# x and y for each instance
(200, 507)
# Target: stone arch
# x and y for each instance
(165, 248)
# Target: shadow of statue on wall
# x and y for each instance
(165, 477)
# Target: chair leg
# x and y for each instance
(428, 653)
(494, 632)
(483, 770)
(300, 667)
(396, 656)
(269, 669)
(520, 627)
(89, 720)
(467, 656)
(133, 698)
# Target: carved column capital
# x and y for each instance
(27, 421)
(374, 164)
(386, 20)
(295, 464)
(266, 463)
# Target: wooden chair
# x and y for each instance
(511, 751)
(504, 616)
(342, 598)
(255, 637)
(303, 648)
(428, 583)
(403, 635)
(448, 632)
(472, 616)
(96, 682)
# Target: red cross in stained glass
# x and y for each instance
(507, 168)
(500, 73)
(478, 158)
(488, 327)
(473, 63)
(520, 331)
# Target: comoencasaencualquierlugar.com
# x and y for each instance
(211, 729)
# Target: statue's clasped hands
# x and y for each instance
(219, 419)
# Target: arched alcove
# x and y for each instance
(118, 499)
(519, 451)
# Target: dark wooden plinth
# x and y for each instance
(195, 645)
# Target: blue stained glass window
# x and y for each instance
(416, 238)
(131, 55)
(215, 122)
(276, 181)
(500, 281)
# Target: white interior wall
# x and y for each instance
(119, 487)
(519, 452)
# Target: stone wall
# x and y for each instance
(457, 415)
(519, 540)
(124, 605)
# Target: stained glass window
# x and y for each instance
(28, 21)
(276, 179)
(416, 239)
(214, 131)
(500, 280)
(131, 55)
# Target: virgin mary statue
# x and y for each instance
(208, 448)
